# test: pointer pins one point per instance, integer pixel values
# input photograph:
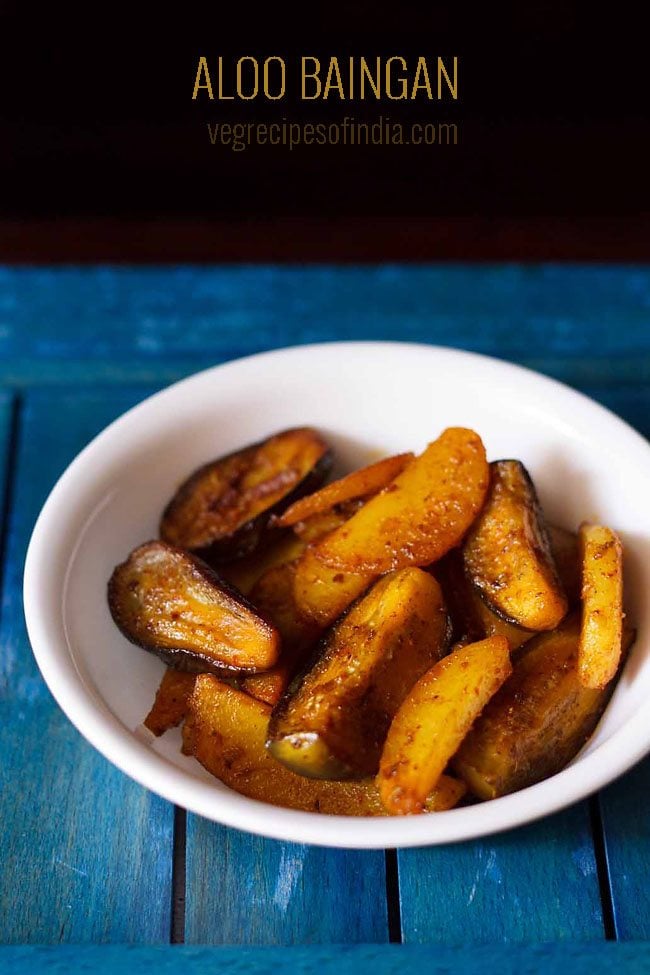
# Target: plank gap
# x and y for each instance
(7, 489)
(177, 932)
(602, 866)
(392, 898)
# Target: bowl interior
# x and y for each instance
(369, 400)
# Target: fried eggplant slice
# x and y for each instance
(566, 552)
(323, 594)
(273, 596)
(433, 720)
(226, 732)
(601, 630)
(471, 618)
(334, 717)
(223, 510)
(538, 721)
(508, 556)
(174, 605)
(363, 483)
(170, 705)
(494, 625)
(420, 516)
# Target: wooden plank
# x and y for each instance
(86, 852)
(247, 890)
(626, 828)
(120, 323)
(538, 883)
(6, 403)
(579, 959)
(541, 882)
(624, 810)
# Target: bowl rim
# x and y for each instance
(106, 733)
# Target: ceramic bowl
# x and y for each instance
(369, 399)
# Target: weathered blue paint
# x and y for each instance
(538, 883)
(86, 853)
(545, 959)
(116, 324)
(243, 889)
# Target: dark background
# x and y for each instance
(106, 155)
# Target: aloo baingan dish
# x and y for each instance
(408, 637)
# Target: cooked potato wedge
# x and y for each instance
(273, 596)
(508, 555)
(601, 629)
(170, 705)
(333, 720)
(317, 526)
(434, 718)
(244, 573)
(323, 594)
(420, 516)
(566, 552)
(224, 508)
(174, 605)
(226, 731)
(537, 722)
(363, 483)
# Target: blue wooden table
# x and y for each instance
(89, 857)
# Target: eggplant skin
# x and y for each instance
(332, 721)
(508, 556)
(225, 731)
(225, 508)
(174, 605)
(539, 719)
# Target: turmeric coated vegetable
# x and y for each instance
(601, 629)
(433, 720)
(333, 720)
(170, 603)
(363, 483)
(508, 555)
(538, 721)
(223, 510)
(420, 516)
(273, 595)
(170, 705)
(226, 731)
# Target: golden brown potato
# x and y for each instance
(223, 510)
(273, 596)
(244, 573)
(319, 525)
(433, 720)
(508, 556)
(420, 516)
(175, 606)
(565, 548)
(601, 630)
(363, 483)
(537, 722)
(323, 594)
(226, 731)
(170, 705)
(334, 718)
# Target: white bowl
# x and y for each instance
(368, 398)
